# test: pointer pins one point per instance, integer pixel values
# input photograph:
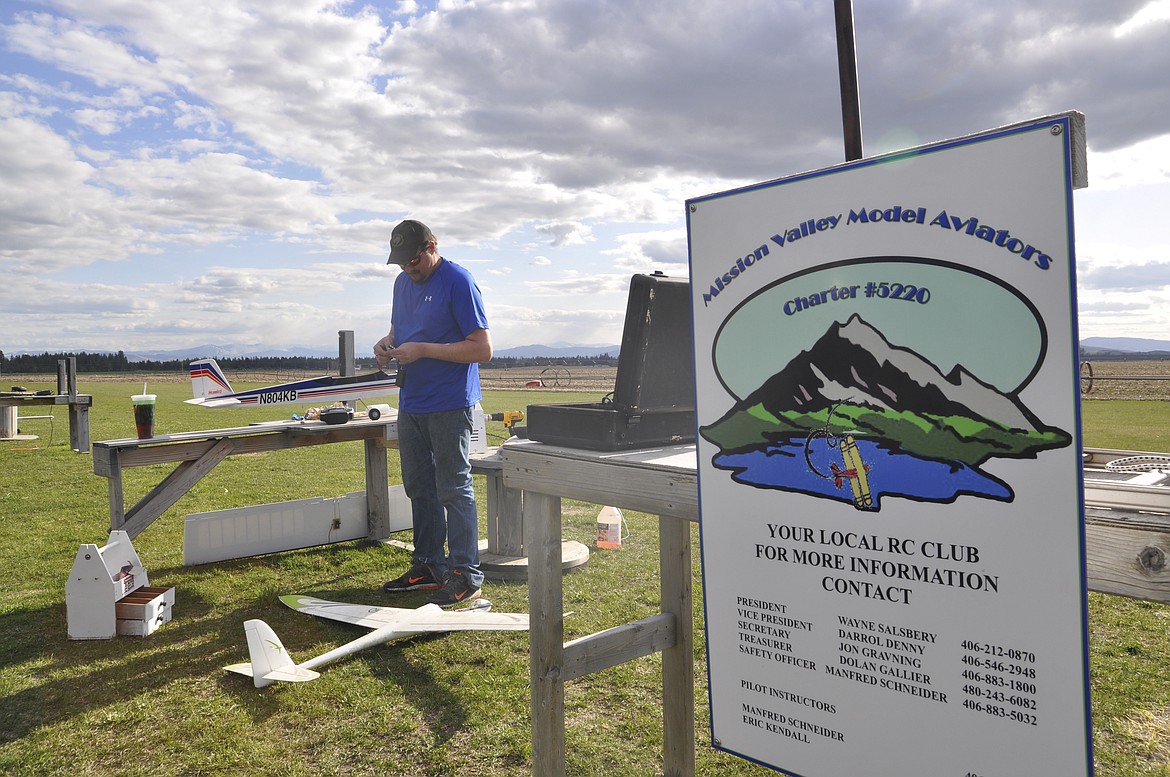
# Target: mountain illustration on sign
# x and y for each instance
(856, 410)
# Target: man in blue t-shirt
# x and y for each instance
(439, 334)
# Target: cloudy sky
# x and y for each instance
(228, 171)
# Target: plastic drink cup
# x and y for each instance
(144, 415)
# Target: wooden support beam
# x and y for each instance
(618, 645)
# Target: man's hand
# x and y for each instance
(409, 352)
(384, 350)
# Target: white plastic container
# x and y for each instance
(609, 528)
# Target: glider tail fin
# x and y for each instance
(208, 380)
(270, 661)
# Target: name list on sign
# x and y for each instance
(768, 632)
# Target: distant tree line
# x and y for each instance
(117, 362)
(46, 363)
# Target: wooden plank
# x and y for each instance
(112, 470)
(509, 508)
(505, 529)
(79, 427)
(106, 462)
(678, 679)
(615, 646)
(542, 521)
(1128, 554)
(358, 429)
(191, 446)
(19, 400)
(661, 486)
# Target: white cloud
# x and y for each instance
(1149, 15)
(550, 143)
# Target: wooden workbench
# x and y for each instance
(78, 406)
(660, 481)
(502, 554)
(197, 453)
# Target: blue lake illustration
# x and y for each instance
(890, 472)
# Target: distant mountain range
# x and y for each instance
(1125, 344)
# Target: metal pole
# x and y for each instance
(847, 68)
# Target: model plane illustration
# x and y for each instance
(856, 472)
(211, 388)
(271, 662)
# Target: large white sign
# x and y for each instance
(889, 468)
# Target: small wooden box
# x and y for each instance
(142, 611)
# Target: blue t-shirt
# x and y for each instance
(445, 308)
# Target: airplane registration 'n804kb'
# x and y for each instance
(211, 388)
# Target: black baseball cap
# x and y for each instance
(407, 239)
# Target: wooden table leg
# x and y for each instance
(542, 526)
(114, 487)
(79, 427)
(678, 662)
(377, 491)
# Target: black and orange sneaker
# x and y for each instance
(456, 591)
(418, 578)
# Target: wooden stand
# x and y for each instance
(502, 555)
(78, 405)
(197, 453)
(660, 481)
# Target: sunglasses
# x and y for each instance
(418, 257)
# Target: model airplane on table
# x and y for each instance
(211, 388)
(271, 662)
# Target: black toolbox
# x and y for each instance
(653, 401)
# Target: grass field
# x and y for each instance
(448, 705)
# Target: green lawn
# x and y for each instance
(447, 705)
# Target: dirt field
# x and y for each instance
(1121, 380)
(593, 379)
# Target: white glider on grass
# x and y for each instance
(271, 662)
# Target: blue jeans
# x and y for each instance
(436, 473)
